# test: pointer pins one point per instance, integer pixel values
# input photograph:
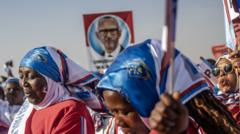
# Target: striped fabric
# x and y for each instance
(113, 128)
(206, 69)
(62, 75)
(137, 75)
(57, 67)
(232, 102)
(3, 127)
(232, 23)
(83, 125)
(169, 30)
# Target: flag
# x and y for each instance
(169, 29)
(168, 37)
(206, 69)
(231, 23)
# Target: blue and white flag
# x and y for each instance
(137, 74)
(206, 69)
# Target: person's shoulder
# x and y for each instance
(71, 103)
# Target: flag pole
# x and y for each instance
(169, 41)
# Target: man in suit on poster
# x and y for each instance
(109, 33)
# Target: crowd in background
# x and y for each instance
(53, 94)
(136, 92)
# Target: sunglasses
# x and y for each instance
(226, 69)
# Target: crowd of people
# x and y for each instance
(53, 94)
(138, 93)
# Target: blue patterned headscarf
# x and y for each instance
(40, 60)
(138, 75)
(61, 73)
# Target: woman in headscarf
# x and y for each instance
(47, 77)
(13, 91)
(138, 76)
(14, 98)
(228, 85)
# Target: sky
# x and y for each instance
(25, 24)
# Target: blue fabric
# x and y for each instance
(41, 61)
(133, 74)
(165, 74)
(137, 74)
(12, 80)
(238, 4)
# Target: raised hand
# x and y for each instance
(169, 116)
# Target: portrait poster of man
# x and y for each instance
(107, 34)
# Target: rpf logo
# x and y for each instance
(138, 69)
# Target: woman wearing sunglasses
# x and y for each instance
(225, 74)
(228, 85)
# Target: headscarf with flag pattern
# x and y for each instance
(62, 75)
(137, 75)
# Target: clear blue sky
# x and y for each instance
(25, 24)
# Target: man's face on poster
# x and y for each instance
(109, 33)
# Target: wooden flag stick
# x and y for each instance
(169, 31)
